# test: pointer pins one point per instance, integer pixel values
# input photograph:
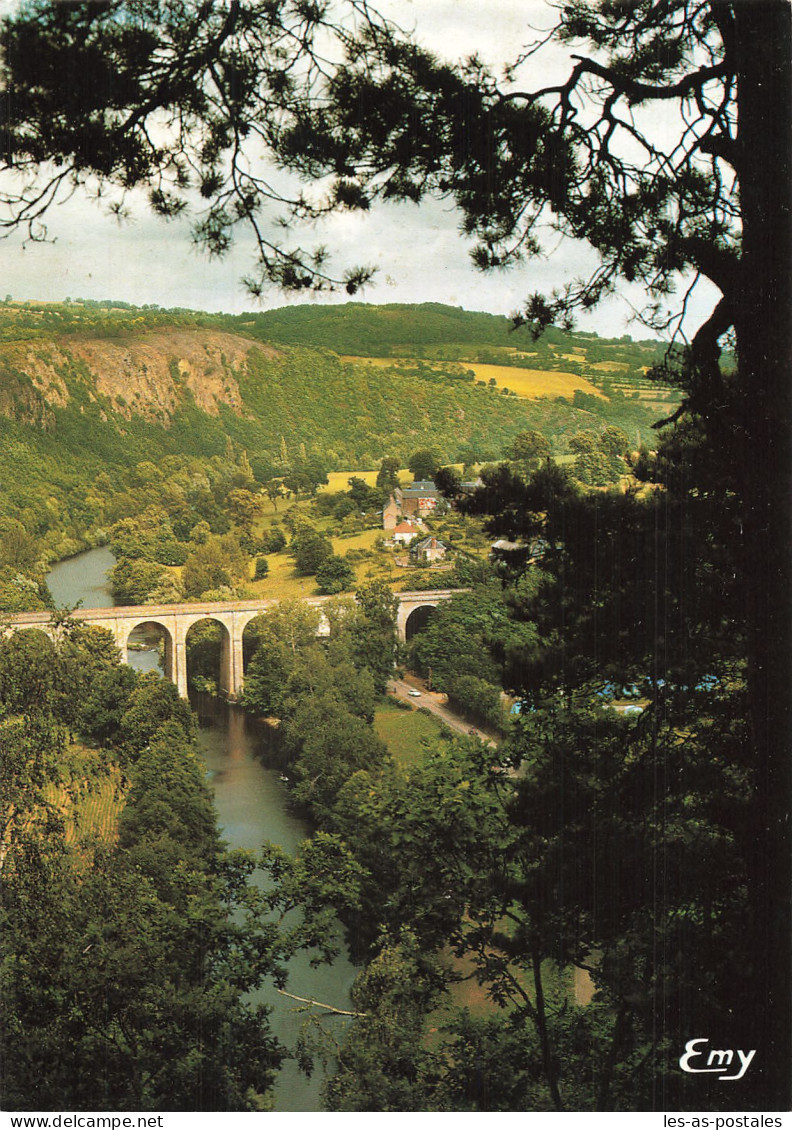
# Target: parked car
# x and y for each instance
(414, 694)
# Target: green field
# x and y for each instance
(405, 731)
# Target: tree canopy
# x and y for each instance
(385, 119)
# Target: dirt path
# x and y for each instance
(437, 704)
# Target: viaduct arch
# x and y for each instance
(175, 620)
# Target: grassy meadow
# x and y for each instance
(282, 582)
(405, 731)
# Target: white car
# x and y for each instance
(414, 694)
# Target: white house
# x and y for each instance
(405, 532)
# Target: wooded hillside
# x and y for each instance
(90, 388)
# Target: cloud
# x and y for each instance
(418, 250)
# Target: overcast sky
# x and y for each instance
(418, 251)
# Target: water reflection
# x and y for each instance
(83, 578)
(252, 806)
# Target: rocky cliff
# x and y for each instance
(148, 375)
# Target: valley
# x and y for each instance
(216, 468)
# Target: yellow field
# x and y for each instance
(532, 384)
(339, 480)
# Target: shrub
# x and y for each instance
(273, 541)
(334, 575)
(475, 699)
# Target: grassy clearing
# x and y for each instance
(366, 539)
(282, 583)
(405, 731)
(467, 994)
(98, 811)
(559, 985)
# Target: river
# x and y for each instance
(252, 807)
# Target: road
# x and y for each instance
(436, 703)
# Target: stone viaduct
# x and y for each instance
(175, 620)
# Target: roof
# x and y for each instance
(422, 488)
(430, 543)
(406, 528)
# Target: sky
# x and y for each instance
(417, 250)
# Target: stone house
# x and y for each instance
(418, 499)
(390, 514)
(429, 549)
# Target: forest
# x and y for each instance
(611, 796)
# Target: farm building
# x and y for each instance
(390, 514)
(419, 498)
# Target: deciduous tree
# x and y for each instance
(310, 549)
(423, 463)
(335, 575)
(218, 563)
(388, 474)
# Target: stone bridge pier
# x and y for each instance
(175, 621)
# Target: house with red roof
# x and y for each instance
(405, 532)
